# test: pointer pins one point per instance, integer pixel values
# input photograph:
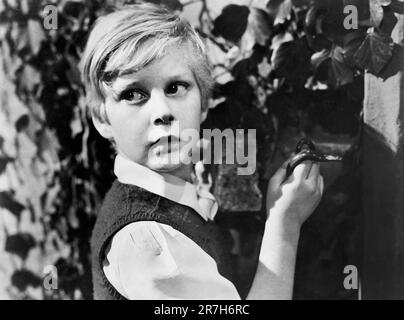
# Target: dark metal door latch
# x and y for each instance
(306, 150)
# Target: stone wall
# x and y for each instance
(383, 179)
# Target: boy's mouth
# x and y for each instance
(166, 142)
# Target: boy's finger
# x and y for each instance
(315, 170)
(308, 172)
(302, 170)
(320, 183)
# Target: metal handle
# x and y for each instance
(306, 150)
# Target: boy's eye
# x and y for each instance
(133, 96)
(177, 89)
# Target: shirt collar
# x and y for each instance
(162, 184)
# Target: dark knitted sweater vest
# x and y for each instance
(125, 204)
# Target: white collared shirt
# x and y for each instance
(167, 186)
(151, 260)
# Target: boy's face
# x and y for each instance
(148, 106)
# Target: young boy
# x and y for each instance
(146, 76)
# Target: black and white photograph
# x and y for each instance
(207, 150)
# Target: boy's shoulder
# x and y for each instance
(122, 205)
(123, 194)
(123, 201)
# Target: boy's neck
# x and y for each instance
(184, 172)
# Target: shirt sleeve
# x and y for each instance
(149, 260)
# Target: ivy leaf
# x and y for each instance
(274, 8)
(273, 5)
(246, 44)
(312, 26)
(3, 30)
(4, 160)
(301, 4)
(259, 4)
(29, 78)
(260, 24)
(389, 21)
(339, 73)
(314, 17)
(264, 68)
(376, 11)
(19, 36)
(284, 12)
(76, 124)
(22, 123)
(320, 64)
(73, 72)
(397, 6)
(174, 4)
(330, 67)
(7, 202)
(68, 274)
(231, 23)
(23, 278)
(73, 8)
(36, 35)
(292, 61)
(20, 244)
(351, 44)
(374, 53)
(171, 4)
(279, 39)
(24, 7)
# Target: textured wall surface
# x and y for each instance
(383, 179)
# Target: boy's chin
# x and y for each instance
(165, 164)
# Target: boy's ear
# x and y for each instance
(103, 128)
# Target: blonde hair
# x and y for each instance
(130, 38)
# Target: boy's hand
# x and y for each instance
(296, 198)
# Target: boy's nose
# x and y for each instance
(164, 119)
(161, 111)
